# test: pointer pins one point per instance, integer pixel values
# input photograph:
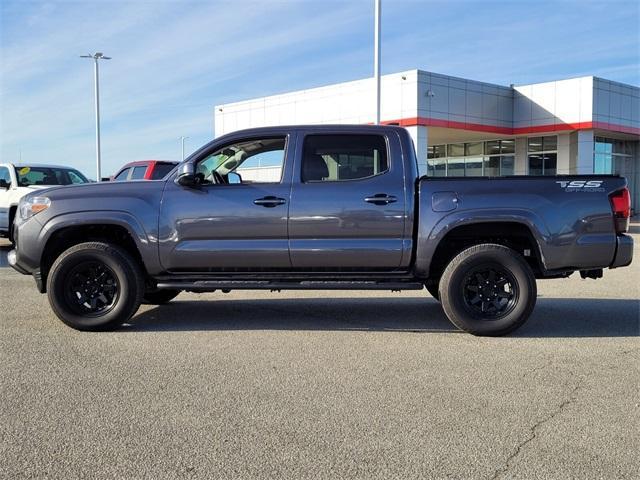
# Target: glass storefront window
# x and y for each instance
(550, 161)
(543, 164)
(492, 166)
(535, 144)
(491, 158)
(602, 163)
(507, 146)
(542, 158)
(473, 166)
(507, 165)
(492, 147)
(602, 146)
(543, 144)
(437, 151)
(535, 165)
(473, 149)
(610, 155)
(549, 143)
(456, 150)
(455, 167)
(440, 167)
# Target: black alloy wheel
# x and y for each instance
(91, 288)
(95, 286)
(490, 291)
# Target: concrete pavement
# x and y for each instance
(323, 385)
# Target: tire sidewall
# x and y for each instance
(124, 270)
(451, 289)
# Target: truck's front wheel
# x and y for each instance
(433, 287)
(95, 286)
(488, 289)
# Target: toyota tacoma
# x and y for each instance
(345, 210)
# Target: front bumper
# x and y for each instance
(12, 259)
(624, 251)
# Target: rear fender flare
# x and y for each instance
(429, 237)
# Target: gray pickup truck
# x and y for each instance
(322, 208)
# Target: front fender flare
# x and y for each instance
(103, 217)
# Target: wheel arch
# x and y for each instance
(13, 210)
(121, 229)
(454, 233)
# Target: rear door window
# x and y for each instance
(336, 158)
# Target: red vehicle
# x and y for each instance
(144, 170)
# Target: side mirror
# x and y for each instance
(187, 175)
(234, 178)
(4, 185)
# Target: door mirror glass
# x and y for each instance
(187, 176)
(234, 178)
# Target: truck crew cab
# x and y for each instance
(349, 212)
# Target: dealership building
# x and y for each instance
(464, 127)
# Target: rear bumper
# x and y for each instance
(624, 251)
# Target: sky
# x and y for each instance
(174, 60)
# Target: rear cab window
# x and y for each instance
(138, 172)
(338, 158)
(161, 170)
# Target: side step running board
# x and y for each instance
(210, 285)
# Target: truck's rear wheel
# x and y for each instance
(488, 289)
(95, 286)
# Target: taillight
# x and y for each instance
(621, 206)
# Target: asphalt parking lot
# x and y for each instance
(324, 385)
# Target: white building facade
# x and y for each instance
(463, 127)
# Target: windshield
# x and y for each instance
(48, 176)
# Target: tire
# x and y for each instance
(484, 303)
(107, 304)
(159, 297)
(432, 287)
(12, 216)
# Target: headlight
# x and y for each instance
(32, 205)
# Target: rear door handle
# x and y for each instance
(269, 201)
(381, 199)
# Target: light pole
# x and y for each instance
(182, 139)
(376, 56)
(97, 56)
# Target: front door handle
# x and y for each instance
(269, 201)
(381, 199)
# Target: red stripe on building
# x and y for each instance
(477, 127)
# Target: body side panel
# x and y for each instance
(134, 207)
(573, 227)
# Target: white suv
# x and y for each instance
(18, 179)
